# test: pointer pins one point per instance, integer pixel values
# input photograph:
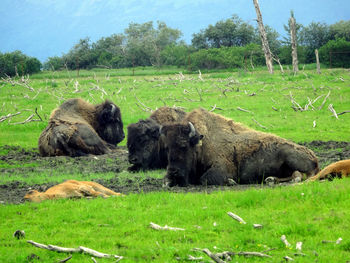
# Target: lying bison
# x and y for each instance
(207, 148)
(79, 128)
(145, 149)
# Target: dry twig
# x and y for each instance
(285, 241)
(259, 123)
(65, 259)
(240, 109)
(158, 227)
(2, 118)
(330, 107)
(236, 217)
(324, 100)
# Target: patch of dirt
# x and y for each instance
(24, 161)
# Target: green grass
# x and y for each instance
(224, 90)
(308, 213)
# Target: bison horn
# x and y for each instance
(192, 131)
(113, 109)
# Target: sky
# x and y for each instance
(47, 28)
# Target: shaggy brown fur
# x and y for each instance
(79, 128)
(145, 148)
(230, 150)
(340, 168)
(70, 189)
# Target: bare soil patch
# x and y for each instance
(116, 162)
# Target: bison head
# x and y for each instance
(110, 125)
(143, 145)
(180, 142)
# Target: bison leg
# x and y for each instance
(86, 141)
(214, 176)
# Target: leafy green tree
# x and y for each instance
(54, 63)
(340, 30)
(110, 51)
(145, 43)
(17, 63)
(313, 37)
(225, 33)
(81, 56)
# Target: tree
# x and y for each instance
(293, 41)
(340, 30)
(18, 64)
(225, 33)
(264, 41)
(314, 36)
(81, 55)
(145, 43)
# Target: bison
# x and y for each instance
(145, 148)
(70, 189)
(209, 149)
(79, 128)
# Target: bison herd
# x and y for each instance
(198, 147)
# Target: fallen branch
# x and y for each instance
(215, 108)
(330, 107)
(65, 260)
(145, 108)
(236, 217)
(211, 255)
(249, 254)
(80, 249)
(2, 118)
(298, 246)
(258, 123)
(288, 258)
(158, 227)
(285, 241)
(343, 112)
(239, 108)
(324, 101)
(338, 241)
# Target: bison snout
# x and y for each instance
(133, 160)
(174, 172)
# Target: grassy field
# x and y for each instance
(308, 213)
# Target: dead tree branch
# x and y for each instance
(324, 101)
(80, 249)
(236, 217)
(330, 107)
(23, 82)
(144, 107)
(240, 109)
(65, 260)
(210, 254)
(2, 118)
(158, 227)
(285, 241)
(259, 124)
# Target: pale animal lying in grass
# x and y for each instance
(70, 189)
(338, 168)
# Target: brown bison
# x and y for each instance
(145, 148)
(79, 128)
(207, 148)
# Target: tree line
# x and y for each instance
(229, 43)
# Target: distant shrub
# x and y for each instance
(227, 57)
(336, 53)
(17, 63)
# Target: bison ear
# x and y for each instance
(194, 140)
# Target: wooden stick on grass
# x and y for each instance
(158, 227)
(80, 249)
(236, 217)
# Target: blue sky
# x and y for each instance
(44, 28)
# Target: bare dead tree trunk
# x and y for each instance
(293, 40)
(317, 62)
(264, 42)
